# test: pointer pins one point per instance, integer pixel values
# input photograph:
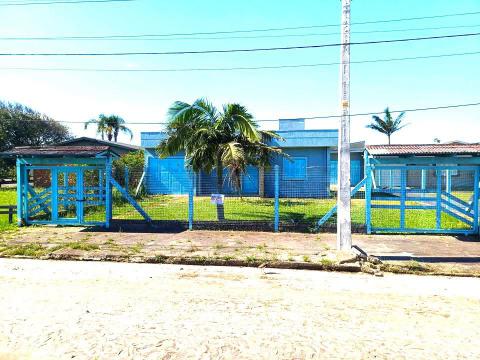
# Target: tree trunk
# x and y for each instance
(109, 136)
(388, 139)
(261, 181)
(220, 208)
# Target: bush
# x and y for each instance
(134, 162)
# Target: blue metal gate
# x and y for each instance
(422, 199)
(66, 195)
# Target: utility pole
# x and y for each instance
(344, 222)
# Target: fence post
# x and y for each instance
(424, 179)
(19, 193)
(108, 192)
(10, 214)
(276, 221)
(54, 194)
(475, 199)
(190, 201)
(439, 200)
(368, 198)
(127, 178)
(403, 196)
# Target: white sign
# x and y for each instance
(217, 199)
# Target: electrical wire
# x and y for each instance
(196, 52)
(153, 37)
(63, 2)
(442, 107)
(267, 67)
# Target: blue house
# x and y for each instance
(305, 173)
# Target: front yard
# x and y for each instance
(293, 211)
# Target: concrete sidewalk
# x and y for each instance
(242, 245)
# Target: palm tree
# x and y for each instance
(110, 126)
(214, 140)
(387, 125)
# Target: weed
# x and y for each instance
(306, 258)
(24, 250)
(136, 248)
(251, 259)
(160, 259)
(413, 265)
(193, 249)
(327, 262)
(262, 247)
(79, 245)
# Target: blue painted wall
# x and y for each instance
(207, 183)
(167, 176)
(309, 179)
(356, 172)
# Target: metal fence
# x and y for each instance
(269, 200)
(429, 199)
(400, 199)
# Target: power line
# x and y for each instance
(239, 68)
(195, 52)
(61, 2)
(264, 29)
(455, 106)
(157, 37)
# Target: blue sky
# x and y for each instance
(269, 94)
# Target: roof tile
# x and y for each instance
(424, 149)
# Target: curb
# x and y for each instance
(352, 268)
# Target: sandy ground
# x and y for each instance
(94, 310)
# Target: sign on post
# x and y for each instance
(217, 199)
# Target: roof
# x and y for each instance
(306, 138)
(101, 142)
(424, 149)
(293, 138)
(57, 151)
(358, 146)
(152, 139)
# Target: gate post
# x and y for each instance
(108, 192)
(276, 220)
(19, 193)
(190, 201)
(368, 198)
(439, 199)
(54, 194)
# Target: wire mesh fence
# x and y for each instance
(401, 198)
(260, 199)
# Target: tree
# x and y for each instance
(217, 140)
(23, 126)
(110, 126)
(387, 125)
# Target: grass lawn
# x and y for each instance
(292, 211)
(7, 197)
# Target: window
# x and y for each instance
(295, 168)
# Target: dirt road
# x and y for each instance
(92, 310)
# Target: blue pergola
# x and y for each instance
(66, 185)
(440, 179)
